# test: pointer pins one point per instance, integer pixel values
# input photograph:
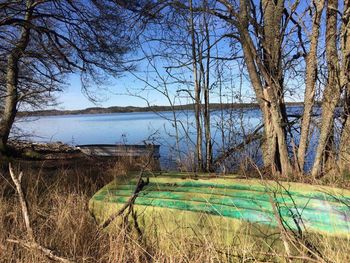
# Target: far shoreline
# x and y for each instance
(131, 109)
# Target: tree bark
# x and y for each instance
(282, 162)
(197, 91)
(344, 147)
(9, 114)
(333, 90)
(272, 49)
(266, 76)
(208, 143)
(269, 142)
(310, 83)
(11, 99)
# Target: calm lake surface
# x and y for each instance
(140, 127)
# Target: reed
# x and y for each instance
(58, 196)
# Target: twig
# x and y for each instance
(17, 180)
(291, 257)
(298, 237)
(288, 236)
(301, 257)
(32, 244)
(281, 228)
(249, 138)
(140, 184)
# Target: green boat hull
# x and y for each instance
(175, 201)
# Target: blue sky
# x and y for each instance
(115, 94)
(72, 98)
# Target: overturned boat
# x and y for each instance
(192, 204)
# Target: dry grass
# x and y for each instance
(58, 195)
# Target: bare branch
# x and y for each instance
(32, 244)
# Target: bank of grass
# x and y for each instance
(58, 194)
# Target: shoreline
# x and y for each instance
(132, 109)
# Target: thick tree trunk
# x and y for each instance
(269, 144)
(329, 156)
(344, 147)
(10, 107)
(278, 123)
(12, 68)
(269, 141)
(267, 69)
(310, 85)
(199, 137)
(271, 68)
(333, 90)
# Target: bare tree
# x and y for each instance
(262, 50)
(344, 149)
(280, 40)
(206, 83)
(181, 51)
(197, 91)
(332, 91)
(310, 81)
(49, 39)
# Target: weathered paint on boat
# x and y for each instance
(121, 150)
(227, 202)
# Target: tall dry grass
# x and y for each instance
(58, 195)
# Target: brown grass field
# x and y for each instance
(57, 194)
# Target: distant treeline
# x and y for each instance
(117, 109)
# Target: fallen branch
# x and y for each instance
(139, 186)
(255, 135)
(17, 180)
(32, 244)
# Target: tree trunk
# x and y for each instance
(310, 85)
(269, 142)
(11, 99)
(272, 70)
(197, 91)
(10, 107)
(208, 144)
(333, 90)
(282, 162)
(329, 156)
(267, 69)
(344, 147)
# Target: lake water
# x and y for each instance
(140, 127)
